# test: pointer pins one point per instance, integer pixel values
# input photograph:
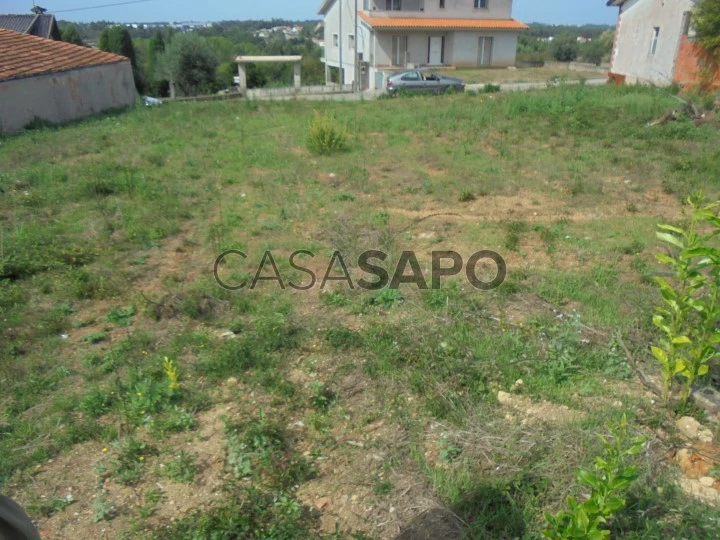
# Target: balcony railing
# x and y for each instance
(397, 5)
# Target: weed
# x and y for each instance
(153, 498)
(182, 469)
(322, 397)
(120, 316)
(387, 298)
(130, 454)
(466, 196)
(343, 338)
(103, 510)
(325, 137)
(96, 337)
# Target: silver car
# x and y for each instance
(415, 80)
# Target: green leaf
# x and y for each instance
(661, 356)
(670, 239)
(682, 340)
(704, 370)
(670, 228)
(680, 365)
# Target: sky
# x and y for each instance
(545, 11)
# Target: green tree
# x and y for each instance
(70, 34)
(157, 84)
(594, 52)
(706, 21)
(565, 48)
(189, 64)
(117, 40)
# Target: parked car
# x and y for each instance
(415, 80)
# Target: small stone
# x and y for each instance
(322, 503)
(707, 481)
(504, 398)
(232, 381)
(692, 429)
(688, 426)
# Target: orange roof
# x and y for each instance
(449, 24)
(22, 55)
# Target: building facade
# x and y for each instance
(654, 43)
(386, 35)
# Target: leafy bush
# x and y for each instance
(608, 484)
(690, 312)
(325, 137)
(565, 48)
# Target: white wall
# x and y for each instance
(465, 45)
(454, 9)
(332, 26)
(632, 56)
(65, 96)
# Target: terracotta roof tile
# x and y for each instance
(449, 24)
(22, 55)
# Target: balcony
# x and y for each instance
(399, 6)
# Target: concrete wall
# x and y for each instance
(632, 56)
(454, 9)
(61, 97)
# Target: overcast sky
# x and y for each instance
(547, 11)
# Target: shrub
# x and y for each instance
(565, 48)
(325, 137)
(608, 484)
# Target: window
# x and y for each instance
(656, 36)
(412, 76)
(442, 4)
(351, 42)
(399, 50)
(336, 41)
(393, 5)
(687, 18)
(481, 4)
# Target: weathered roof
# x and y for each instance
(449, 24)
(22, 55)
(43, 26)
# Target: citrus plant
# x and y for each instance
(690, 312)
(608, 484)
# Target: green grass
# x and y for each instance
(109, 229)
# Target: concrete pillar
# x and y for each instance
(296, 75)
(242, 75)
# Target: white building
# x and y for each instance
(396, 34)
(649, 39)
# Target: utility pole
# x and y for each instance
(357, 55)
(341, 79)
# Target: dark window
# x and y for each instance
(687, 18)
(442, 4)
(412, 76)
(481, 4)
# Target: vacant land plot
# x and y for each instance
(139, 398)
(503, 76)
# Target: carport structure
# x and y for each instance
(243, 61)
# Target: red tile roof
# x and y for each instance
(22, 55)
(448, 24)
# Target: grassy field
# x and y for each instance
(520, 75)
(140, 399)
